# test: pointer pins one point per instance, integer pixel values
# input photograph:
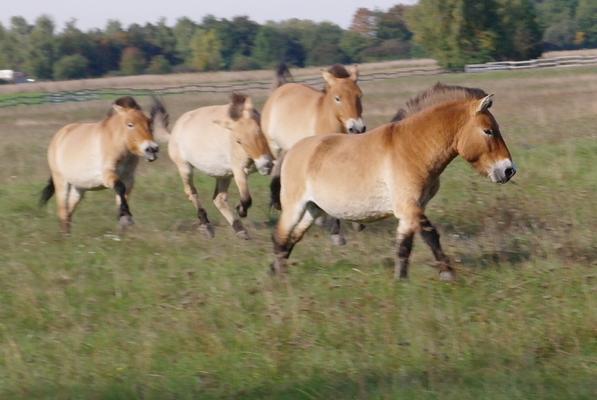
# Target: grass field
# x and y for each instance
(162, 313)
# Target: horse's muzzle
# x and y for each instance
(151, 152)
(264, 165)
(355, 125)
(502, 171)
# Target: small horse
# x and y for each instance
(224, 142)
(295, 111)
(391, 170)
(93, 156)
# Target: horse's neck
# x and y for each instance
(326, 120)
(431, 138)
(114, 143)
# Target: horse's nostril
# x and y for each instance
(509, 172)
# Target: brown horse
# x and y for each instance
(225, 142)
(92, 156)
(391, 170)
(296, 111)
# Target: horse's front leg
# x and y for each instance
(431, 236)
(405, 233)
(240, 178)
(112, 181)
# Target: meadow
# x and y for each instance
(161, 312)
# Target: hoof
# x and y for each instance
(446, 276)
(276, 205)
(125, 220)
(242, 212)
(338, 240)
(207, 230)
(242, 235)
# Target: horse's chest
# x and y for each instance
(125, 168)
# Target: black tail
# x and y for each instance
(283, 75)
(47, 193)
(274, 188)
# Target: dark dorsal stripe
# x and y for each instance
(437, 94)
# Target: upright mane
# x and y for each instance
(337, 71)
(124, 102)
(237, 104)
(437, 94)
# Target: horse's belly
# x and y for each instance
(213, 167)
(365, 204)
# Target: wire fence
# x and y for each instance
(83, 95)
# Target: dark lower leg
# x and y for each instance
(405, 245)
(431, 237)
(243, 207)
(120, 190)
(202, 216)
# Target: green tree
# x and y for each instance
(457, 32)
(71, 67)
(132, 61)
(184, 31)
(519, 19)
(206, 51)
(354, 43)
(586, 20)
(40, 52)
(159, 65)
(392, 24)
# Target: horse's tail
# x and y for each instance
(160, 119)
(283, 75)
(276, 183)
(47, 193)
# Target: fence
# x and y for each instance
(38, 98)
(537, 63)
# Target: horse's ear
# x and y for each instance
(119, 109)
(353, 70)
(248, 108)
(225, 124)
(329, 78)
(485, 103)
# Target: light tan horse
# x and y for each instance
(391, 170)
(295, 111)
(92, 156)
(224, 142)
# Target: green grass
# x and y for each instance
(161, 312)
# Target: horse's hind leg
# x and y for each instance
(186, 173)
(220, 199)
(337, 236)
(61, 190)
(73, 198)
(275, 184)
(292, 225)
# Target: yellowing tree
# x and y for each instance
(206, 48)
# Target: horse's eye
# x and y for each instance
(337, 98)
(488, 132)
(130, 124)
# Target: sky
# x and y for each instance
(95, 14)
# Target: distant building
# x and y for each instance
(11, 76)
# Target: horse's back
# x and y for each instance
(199, 140)
(289, 114)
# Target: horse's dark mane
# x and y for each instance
(124, 102)
(237, 105)
(339, 71)
(437, 94)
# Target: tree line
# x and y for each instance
(454, 32)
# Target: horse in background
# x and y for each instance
(225, 142)
(100, 155)
(295, 111)
(391, 170)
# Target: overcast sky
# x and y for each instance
(94, 14)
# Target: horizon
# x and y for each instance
(63, 11)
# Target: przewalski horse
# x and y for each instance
(99, 155)
(224, 142)
(296, 111)
(391, 170)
